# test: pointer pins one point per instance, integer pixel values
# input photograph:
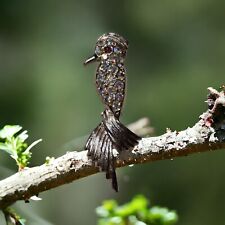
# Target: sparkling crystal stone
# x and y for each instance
(113, 69)
(120, 75)
(98, 50)
(119, 85)
(103, 67)
(116, 50)
(119, 97)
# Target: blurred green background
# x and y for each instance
(177, 50)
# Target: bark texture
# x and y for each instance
(206, 135)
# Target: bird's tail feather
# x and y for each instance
(108, 135)
(100, 150)
(122, 137)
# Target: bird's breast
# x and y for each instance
(110, 83)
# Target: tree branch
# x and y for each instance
(207, 134)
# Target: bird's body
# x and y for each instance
(110, 134)
(110, 83)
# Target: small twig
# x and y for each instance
(141, 127)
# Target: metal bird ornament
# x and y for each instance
(110, 136)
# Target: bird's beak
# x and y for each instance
(91, 59)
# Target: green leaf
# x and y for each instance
(135, 212)
(9, 130)
(107, 208)
(111, 221)
(6, 148)
(102, 212)
(23, 136)
(48, 160)
(158, 215)
(134, 221)
(14, 144)
(116, 220)
(138, 204)
(110, 205)
(32, 145)
(13, 218)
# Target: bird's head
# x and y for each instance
(109, 46)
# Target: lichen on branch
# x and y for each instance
(207, 134)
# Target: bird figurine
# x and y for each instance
(110, 137)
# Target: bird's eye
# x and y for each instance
(107, 49)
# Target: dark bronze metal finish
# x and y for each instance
(110, 137)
